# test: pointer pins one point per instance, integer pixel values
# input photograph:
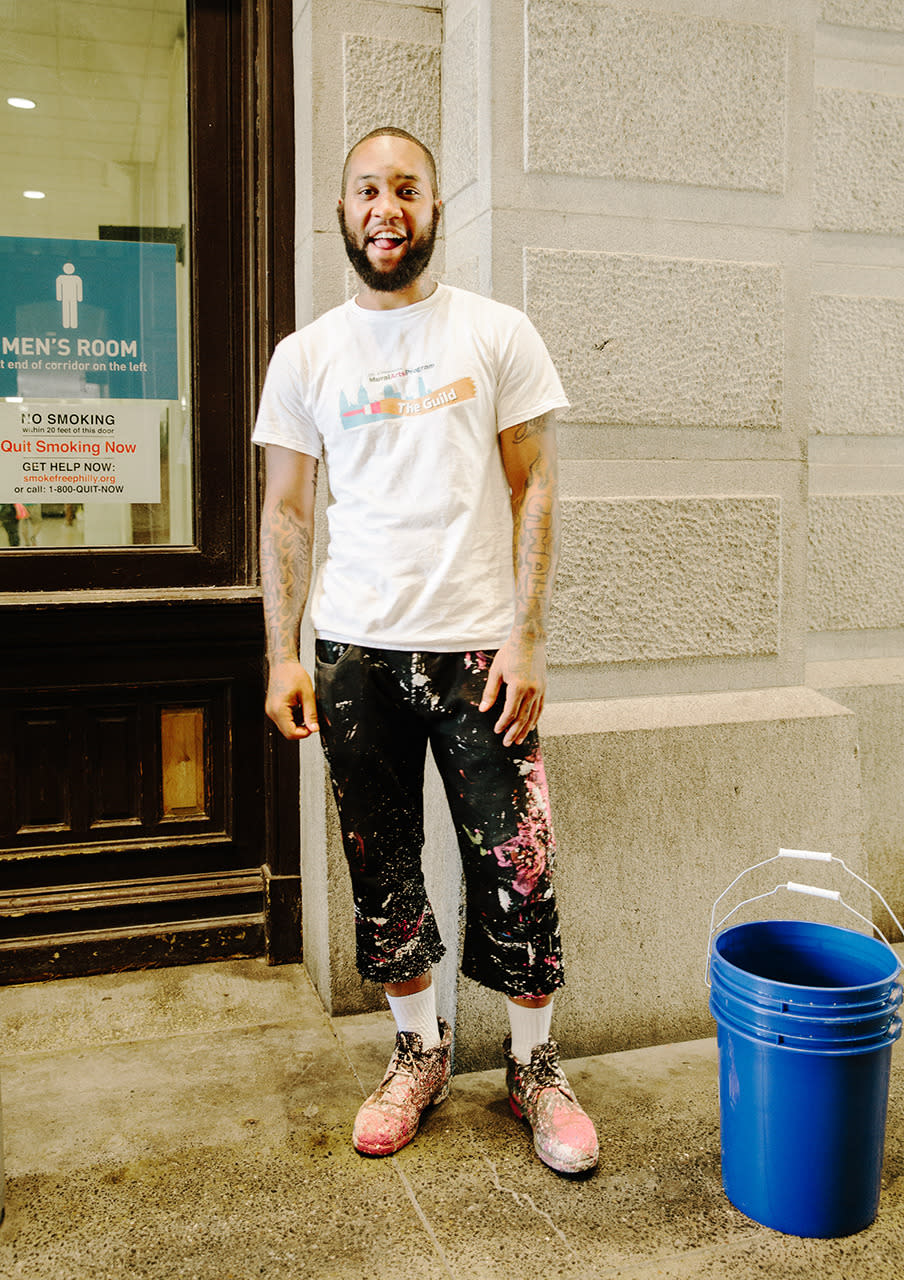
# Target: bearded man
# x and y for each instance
(433, 409)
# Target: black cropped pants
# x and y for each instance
(378, 710)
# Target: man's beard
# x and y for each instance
(405, 272)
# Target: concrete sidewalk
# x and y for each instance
(195, 1122)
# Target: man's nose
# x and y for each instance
(386, 205)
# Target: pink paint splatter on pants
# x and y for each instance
(531, 850)
(522, 853)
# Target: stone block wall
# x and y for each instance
(632, 92)
(856, 534)
(700, 206)
(856, 422)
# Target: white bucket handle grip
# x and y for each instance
(806, 855)
(814, 891)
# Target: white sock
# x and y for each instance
(530, 1027)
(417, 1013)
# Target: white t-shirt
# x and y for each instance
(405, 405)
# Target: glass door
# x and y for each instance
(96, 446)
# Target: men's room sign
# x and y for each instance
(88, 319)
(105, 451)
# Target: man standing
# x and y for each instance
(433, 409)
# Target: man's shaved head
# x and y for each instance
(392, 132)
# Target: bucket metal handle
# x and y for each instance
(806, 855)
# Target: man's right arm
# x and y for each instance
(287, 539)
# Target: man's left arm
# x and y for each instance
(529, 458)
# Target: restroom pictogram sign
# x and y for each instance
(88, 319)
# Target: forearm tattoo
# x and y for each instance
(536, 531)
(286, 555)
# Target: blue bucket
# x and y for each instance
(793, 982)
(806, 1017)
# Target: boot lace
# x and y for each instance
(408, 1056)
(543, 1072)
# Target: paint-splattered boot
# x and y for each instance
(564, 1136)
(415, 1079)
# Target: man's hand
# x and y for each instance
(290, 690)
(520, 665)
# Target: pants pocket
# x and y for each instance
(329, 653)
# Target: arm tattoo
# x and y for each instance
(286, 556)
(536, 533)
(533, 427)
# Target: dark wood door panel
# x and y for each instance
(135, 905)
(112, 764)
(113, 753)
(39, 804)
(71, 867)
(137, 784)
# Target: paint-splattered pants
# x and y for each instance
(378, 710)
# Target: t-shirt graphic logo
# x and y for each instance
(392, 405)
